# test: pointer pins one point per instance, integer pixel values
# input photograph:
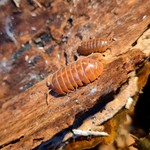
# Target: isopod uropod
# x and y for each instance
(74, 75)
(92, 46)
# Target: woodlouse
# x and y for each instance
(92, 46)
(74, 75)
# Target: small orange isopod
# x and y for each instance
(93, 46)
(77, 74)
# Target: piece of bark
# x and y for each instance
(109, 110)
(67, 23)
(27, 121)
(127, 94)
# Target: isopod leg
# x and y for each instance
(47, 97)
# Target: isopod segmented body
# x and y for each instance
(92, 46)
(76, 74)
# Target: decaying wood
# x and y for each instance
(33, 121)
(33, 43)
(66, 24)
(109, 110)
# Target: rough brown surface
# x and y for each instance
(36, 39)
(33, 119)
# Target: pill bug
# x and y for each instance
(92, 46)
(77, 74)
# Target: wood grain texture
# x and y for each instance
(35, 42)
(29, 121)
(24, 64)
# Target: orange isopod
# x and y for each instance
(77, 74)
(93, 46)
